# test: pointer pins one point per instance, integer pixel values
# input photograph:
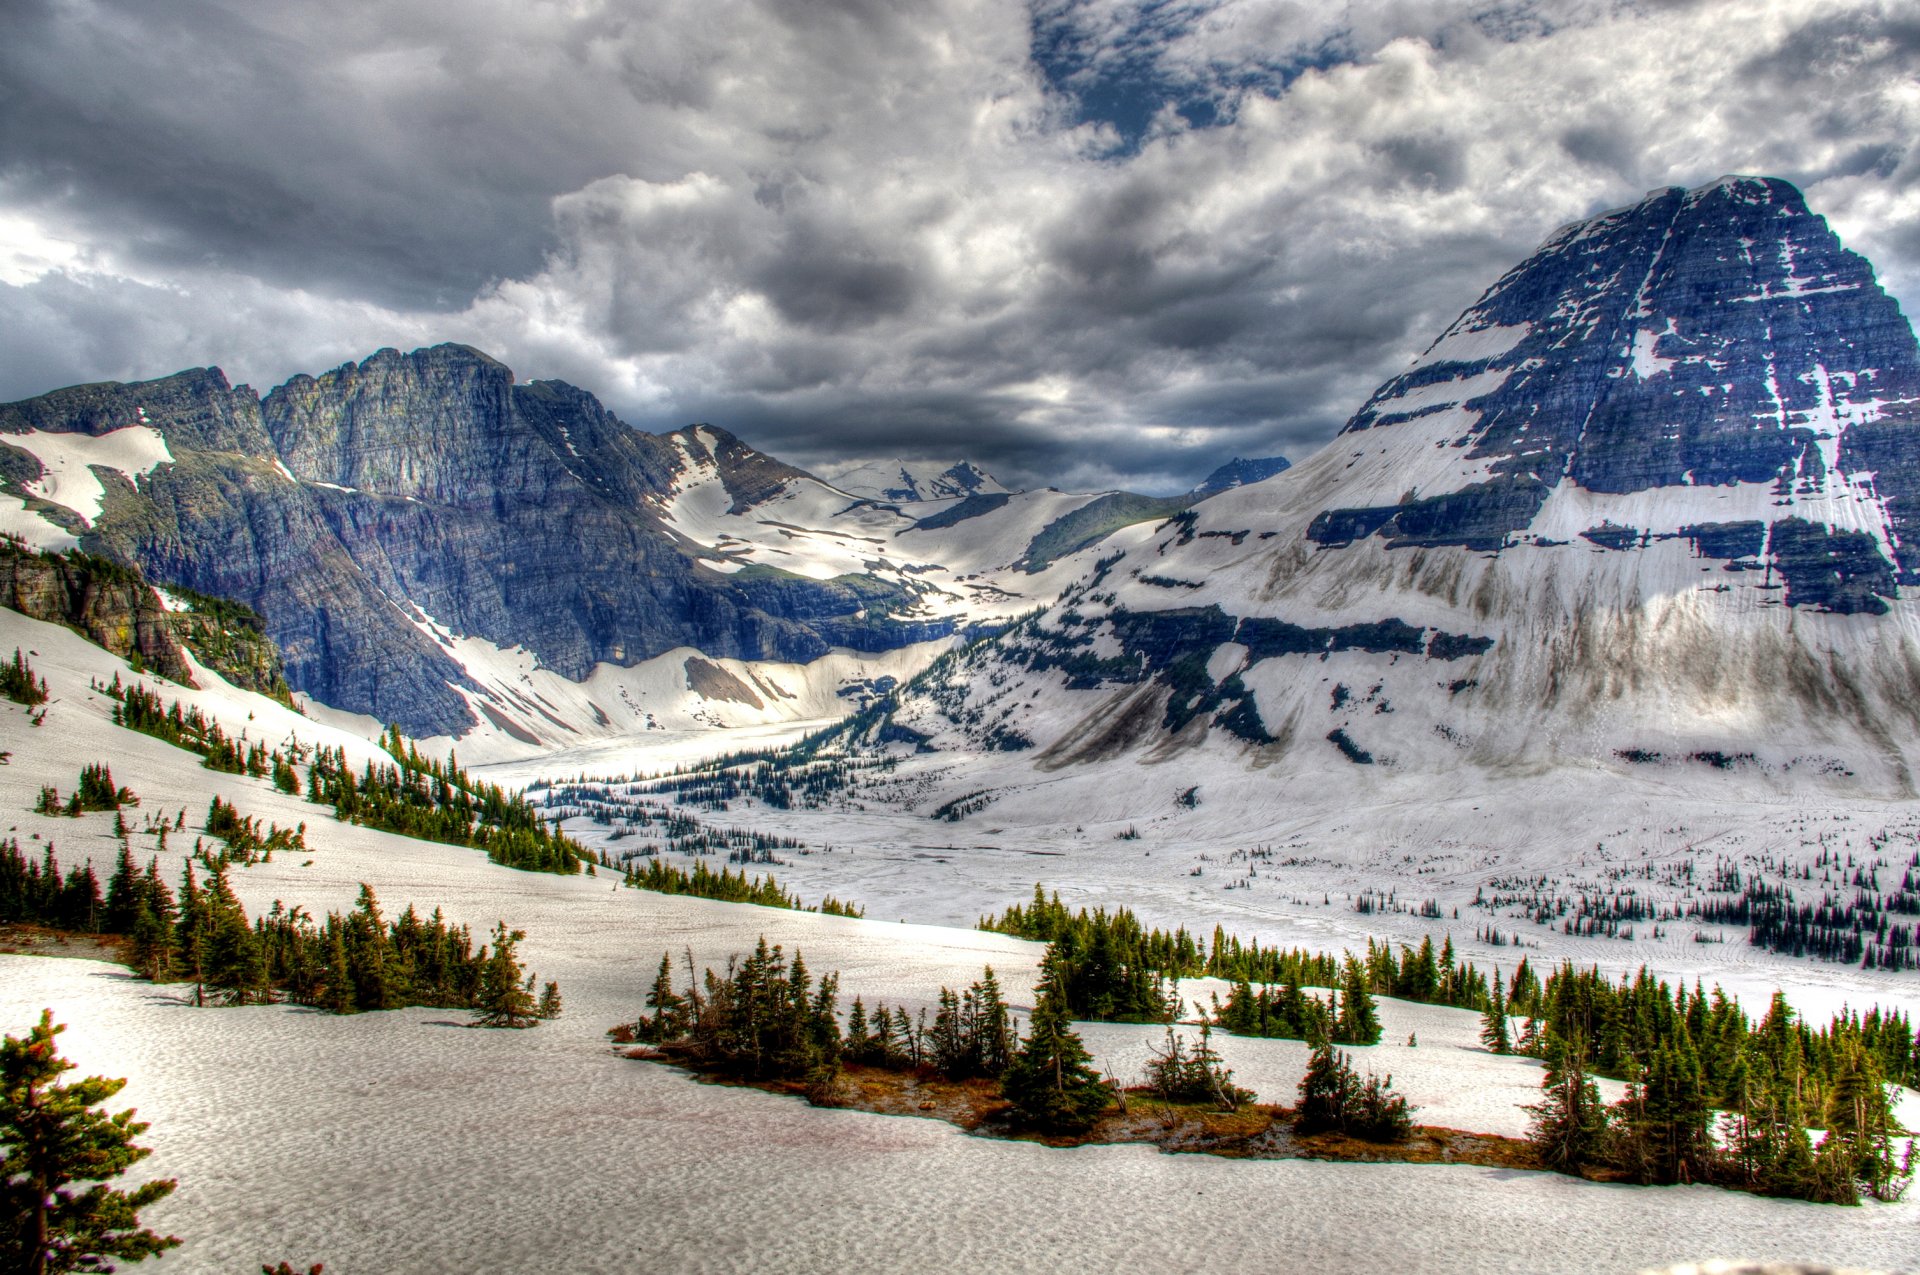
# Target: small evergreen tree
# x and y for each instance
(504, 1000)
(1569, 1124)
(667, 1021)
(1334, 1099)
(1493, 1023)
(1051, 1083)
(1176, 1073)
(1327, 1092)
(51, 1137)
(1358, 1022)
(550, 1001)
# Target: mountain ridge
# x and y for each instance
(1485, 570)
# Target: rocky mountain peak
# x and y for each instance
(905, 481)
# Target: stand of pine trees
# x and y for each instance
(1695, 1064)
(412, 796)
(1115, 967)
(19, 683)
(438, 801)
(355, 961)
(1334, 1099)
(763, 1018)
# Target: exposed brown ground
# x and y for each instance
(36, 940)
(1256, 1131)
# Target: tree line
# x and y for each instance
(411, 795)
(350, 962)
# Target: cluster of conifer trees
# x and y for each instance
(727, 886)
(763, 1017)
(1333, 1098)
(245, 842)
(413, 796)
(19, 684)
(1688, 1056)
(138, 708)
(350, 962)
(1286, 1011)
(36, 892)
(438, 801)
(95, 791)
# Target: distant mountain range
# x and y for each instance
(914, 481)
(435, 544)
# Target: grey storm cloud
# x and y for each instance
(846, 229)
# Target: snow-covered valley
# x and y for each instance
(400, 1141)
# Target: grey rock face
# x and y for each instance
(1699, 338)
(1238, 473)
(430, 484)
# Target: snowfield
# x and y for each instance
(402, 1141)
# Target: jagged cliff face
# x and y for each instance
(112, 605)
(382, 512)
(352, 506)
(1649, 503)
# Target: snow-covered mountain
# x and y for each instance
(1238, 473)
(909, 481)
(436, 544)
(1651, 505)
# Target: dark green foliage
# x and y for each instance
(245, 842)
(1358, 1023)
(703, 882)
(18, 683)
(1333, 1099)
(138, 708)
(1286, 1013)
(972, 1032)
(1179, 1073)
(52, 1139)
(505, 998)
(35, 892)
(884, 1038)
(93, 794)
(1493, 1023)
(413, 797)
(1051, 1083)
(438, 801)
(1686, 1055)
(1569, 1125)
(1660, 1127)
(1621, 1024)
(762, 1019)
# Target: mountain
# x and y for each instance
(1651, 505)
(912, 481)
(436, 544)
(1238, 473)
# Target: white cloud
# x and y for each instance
(841, 229)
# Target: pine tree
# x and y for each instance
(51, 1137)
(1051, 1083)
(1359, 1022)
(503, 1000)
(1493, 1023)
(1569, 1125)
(667, 1020)
(1328, 1091)
(549, 1001)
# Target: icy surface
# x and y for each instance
(402, 1142)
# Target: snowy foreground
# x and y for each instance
(402, 1141)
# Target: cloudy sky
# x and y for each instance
(1085, 242)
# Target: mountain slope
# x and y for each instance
(1646, 505)
(424, 534)
(910, 481)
